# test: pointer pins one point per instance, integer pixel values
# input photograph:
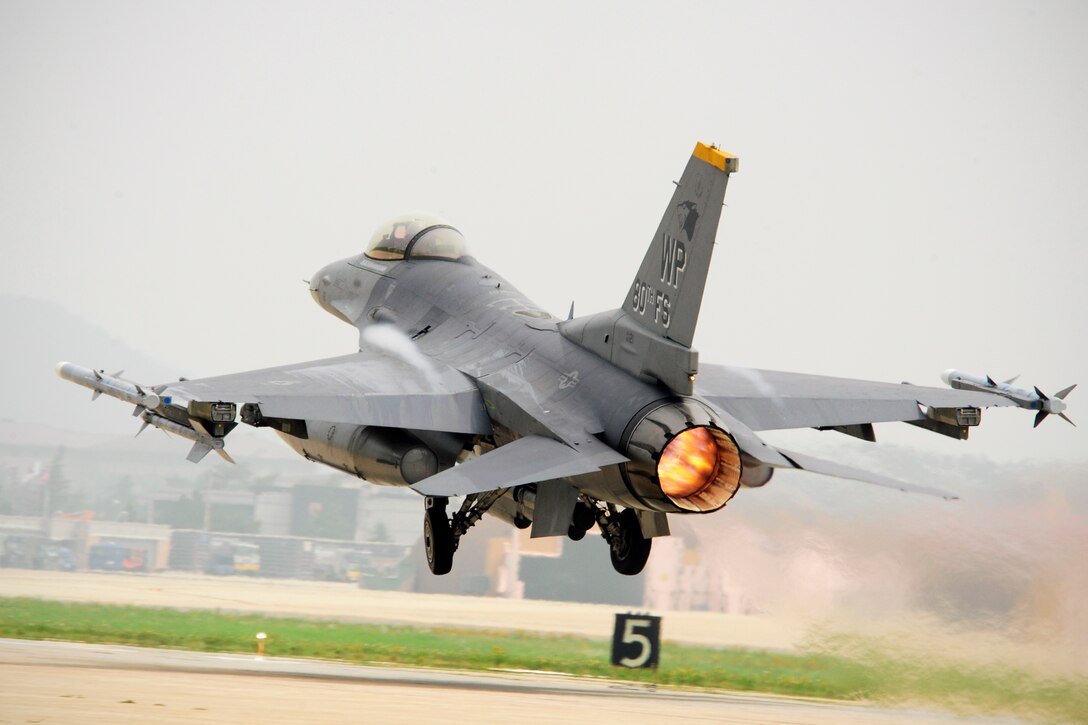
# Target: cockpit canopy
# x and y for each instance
(417, 236)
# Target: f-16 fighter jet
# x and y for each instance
(462, 387)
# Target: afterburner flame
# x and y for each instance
(689, 463)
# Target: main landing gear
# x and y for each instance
(581, 520)
(438, 537)
(621, 529)
(629, 548)
(442, 534)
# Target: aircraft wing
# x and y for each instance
(755, 447)
(771, 400)
(366, 388)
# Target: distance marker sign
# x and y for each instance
(636, 641)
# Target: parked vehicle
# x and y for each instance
(227, 556)
(54, 557)
(111, 556)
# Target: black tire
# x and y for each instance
(583, 516)
(438, 540)
(630, 551)
(581, 521)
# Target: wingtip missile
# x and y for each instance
(112, 385)
(1034, 399)
(146, 403)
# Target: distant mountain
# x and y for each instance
(37, 335)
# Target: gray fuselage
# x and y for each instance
(465, 316)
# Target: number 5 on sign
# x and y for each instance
(636, 641)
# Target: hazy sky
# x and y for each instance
(911, 193)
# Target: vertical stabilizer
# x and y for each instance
(650, 336)
(668, 291)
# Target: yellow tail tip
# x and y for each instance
(716, 157)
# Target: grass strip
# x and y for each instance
(879, 675)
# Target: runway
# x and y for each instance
(59, 682)
(48, 682)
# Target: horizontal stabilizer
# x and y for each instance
(526, 460)
(838, 470)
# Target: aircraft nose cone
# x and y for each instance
(319, 285)
(328, 288)
(315, 279)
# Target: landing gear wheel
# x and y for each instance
(581, 521)
(629, 549)
(438, 539)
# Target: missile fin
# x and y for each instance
(95, 394)
(1067, 420)
(1042, 396)
(118, 373)
(990, 382)
(1040, 417)
(1062, 393)
(199, 427)
(224, 455)
(1013, 379)
(142, 429)
(137, 410)
(97, 374)
(198, 452)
